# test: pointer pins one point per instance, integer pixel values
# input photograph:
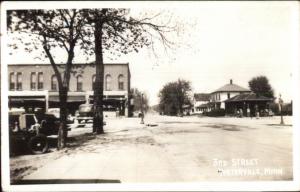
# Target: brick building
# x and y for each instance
(35, 85)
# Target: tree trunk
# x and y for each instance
(62, 131)
(98, 88)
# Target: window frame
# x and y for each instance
(108, 83)
(19, 81)
(12, 81)
(93, 82)
(121, 83)
(228, 95)
(54, 83)
(33, 81)
(79, 84)
(40, 80)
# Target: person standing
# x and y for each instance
(248, 111)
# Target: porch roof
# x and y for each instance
(248, 97)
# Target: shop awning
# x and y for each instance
(23, 100)
(71, 98)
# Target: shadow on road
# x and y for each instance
(62, 181)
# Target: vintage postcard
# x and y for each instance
(142, 95)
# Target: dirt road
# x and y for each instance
(171, 149)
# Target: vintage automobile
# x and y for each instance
(25, 127)
(85, 114)
(56, 113)
(32, 129)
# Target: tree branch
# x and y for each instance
(52, 62)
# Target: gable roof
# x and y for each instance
(248, 97)
(231, 88)
(202, 96)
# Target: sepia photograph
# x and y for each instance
(150, 95)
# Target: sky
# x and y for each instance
(217, 41)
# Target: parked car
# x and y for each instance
(85, 114)
(49, 124)
(24, 127)
(56, 113)
(32, 129)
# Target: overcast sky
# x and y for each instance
(219, 41)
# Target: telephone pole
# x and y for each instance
(142, 108)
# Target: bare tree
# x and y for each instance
(117, 32)
(95, 31)
(50, 29)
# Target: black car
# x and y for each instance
(49, 124)
(25, 129)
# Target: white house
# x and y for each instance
(200, 101)
(226, 92)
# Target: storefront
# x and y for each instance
(247, 103)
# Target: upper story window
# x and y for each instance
(40, 80)
(12, 83)
(53, 83)
(79, 83)
(121, 82)
(94, 82)
(19, 81)
(33, 81)
(108, 82)
(228, 95)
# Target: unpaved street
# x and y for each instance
(170, 149)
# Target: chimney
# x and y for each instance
(231, 81)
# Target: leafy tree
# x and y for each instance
(116, 31)
(49, 30)
(173, 96)
(261, 86)
(137, 100)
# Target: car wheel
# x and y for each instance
(38, 144)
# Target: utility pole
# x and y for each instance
(280, 101)
(142, 108)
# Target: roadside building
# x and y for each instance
(35, 85)
(249, 104)
(201, 101)
(225, 92)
